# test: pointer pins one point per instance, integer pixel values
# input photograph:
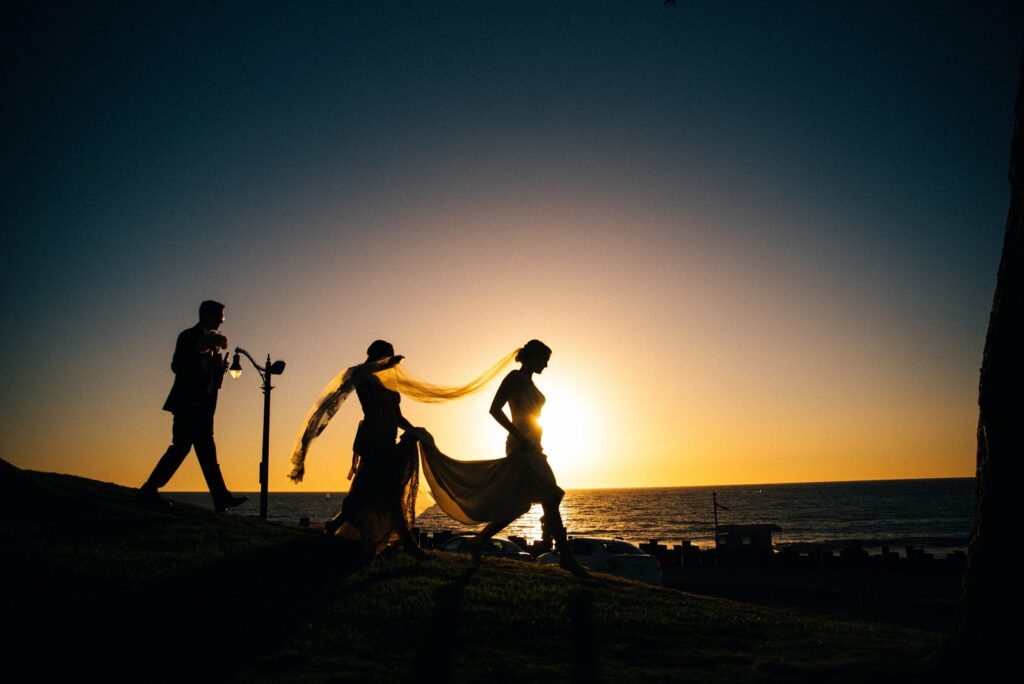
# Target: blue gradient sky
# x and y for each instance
(761, 237)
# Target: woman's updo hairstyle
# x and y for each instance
(532, 350)
(379, 350)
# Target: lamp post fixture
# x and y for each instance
(275, 368)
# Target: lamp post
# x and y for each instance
(275, 368)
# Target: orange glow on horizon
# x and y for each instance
(759, 378)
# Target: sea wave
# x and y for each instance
(934, 515)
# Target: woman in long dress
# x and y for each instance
(499, 491)
(380, 503)
(495, 491)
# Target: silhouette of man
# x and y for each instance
(198, 372)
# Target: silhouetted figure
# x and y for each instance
(381, 501)
(535, 478)
(198, 372)
(497, 491)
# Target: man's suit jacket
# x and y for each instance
(197, 376)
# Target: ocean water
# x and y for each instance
(933, 514)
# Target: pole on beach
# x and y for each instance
(714, 505)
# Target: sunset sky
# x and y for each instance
(761, 238)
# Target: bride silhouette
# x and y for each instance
(500, 490)
(495, 491)
(380, 503)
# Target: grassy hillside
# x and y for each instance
(98, 584)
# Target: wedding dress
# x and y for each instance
(468, 491)
(497, 489)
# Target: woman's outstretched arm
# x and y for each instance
(359, 374)
(403, 422)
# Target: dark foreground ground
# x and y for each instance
(920, 599)
(97, 585)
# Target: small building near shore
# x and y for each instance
(745, 543)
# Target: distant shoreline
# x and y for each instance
(642, 488)
(933, 514)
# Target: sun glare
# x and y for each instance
(569, 425)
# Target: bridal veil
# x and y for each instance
(396, 379)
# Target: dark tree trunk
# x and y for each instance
(990, 619)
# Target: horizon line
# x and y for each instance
(590, 489)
